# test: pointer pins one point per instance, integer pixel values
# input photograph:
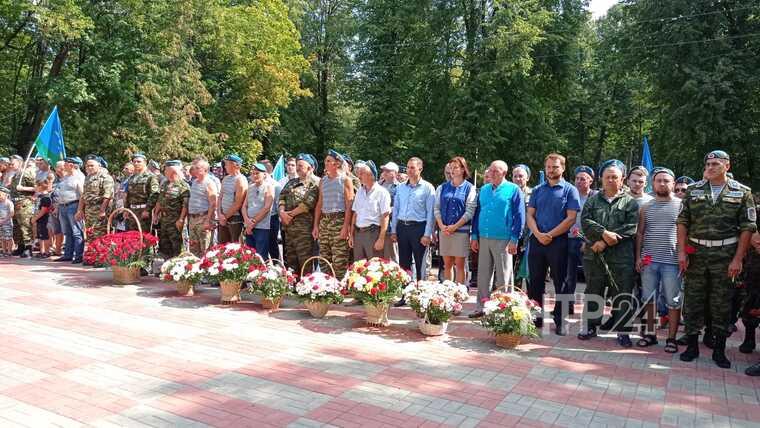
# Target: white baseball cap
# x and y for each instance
(390, 166)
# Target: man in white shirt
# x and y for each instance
(372, 208)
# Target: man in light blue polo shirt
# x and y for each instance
(496, 228)
(552, 210)
(412, 218)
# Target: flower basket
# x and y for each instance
(377, 314)
(429, 329)
(125, 275)
(435, 302)
(508, 341)
(510, 317)
(376, 281)
(272, 282)
(230, 290)
(184, 271)
(318, 290)
(230, 264)
(317, 308)
(124, 252)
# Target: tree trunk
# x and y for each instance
(600, 145)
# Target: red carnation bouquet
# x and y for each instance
(124, 249)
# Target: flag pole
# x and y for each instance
(23, 168)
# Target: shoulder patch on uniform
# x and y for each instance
(733, 184)
(734, 194)
(751, 214)
(697, 192)
(699, 183)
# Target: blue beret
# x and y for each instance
(173, 162)
(335, 155)
(660, 169)
(258, 166)
(585, 168)
(153, 164)
(348, 159)
(311, 160)
(74, 159)
(234, 158)
(685, 179)
(523, 166)
(138, 155)
(102, 162)
(369, 164)
(717, 154)
(5, 159)
(4, 189)
(612, 163)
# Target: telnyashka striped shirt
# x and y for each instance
(660, 230)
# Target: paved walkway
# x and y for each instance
(77, 351)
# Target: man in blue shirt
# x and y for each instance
(496, 228)
(552, 210)
(412, 218)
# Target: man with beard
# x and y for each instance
(657, 257)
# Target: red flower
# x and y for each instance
(689, 249)
(646, 260)
(382, 286)
(373, 291)
(167, 277)
(502, 306)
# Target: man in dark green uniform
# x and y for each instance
(296, 207)
(716, 222)
(171, 210)
(22, 193)
(142, 193)
(609, 221)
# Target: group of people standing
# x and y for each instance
(681, 246)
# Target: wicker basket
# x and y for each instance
(317, 309)
(432, 329)
(377, 315)
(230, 291)
(185, 288)
(508, 341)
(271, 304)
(123, 275)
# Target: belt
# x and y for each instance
(138, 206)
(64, 204)
(715, 242)
(333, 215)
(369, 228)
(198, 215)
(410, 223)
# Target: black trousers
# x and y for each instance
(409, 246)
(274, 229)
(540, 259)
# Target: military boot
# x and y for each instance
(692, 348)
(719, 352)
(709, 338)
(18, 251)
(749, 340)
(27, 253)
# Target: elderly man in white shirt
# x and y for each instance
(372, 208)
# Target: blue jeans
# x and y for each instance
(260, 241)
(661, 278)
(72, 231)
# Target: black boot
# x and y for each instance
(753, 370)
(27, 253)
(18, 251)
(719, 352)
(692, 348)
(749, 340)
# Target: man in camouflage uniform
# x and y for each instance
(22, 194)
(171, 210)
(142, 193)
(95, 203)
(716, 222)
(332, 215)
(609, 221)
(296, 206)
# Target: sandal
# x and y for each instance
(671, 346)
(646, 341)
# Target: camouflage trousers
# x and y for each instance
(93, 224)
(169, 237)
(299, 244)
(331, 247)
(707, 285)
(22, 222)
(144, 223)
(199, 236)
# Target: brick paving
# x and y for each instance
(77, 351)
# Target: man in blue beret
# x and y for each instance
(681, 184)
(609, 221)
(584, 182)
(297, 202)
(716, 222)
(231, 199)
(95, 203)
(21, 185)
(142, 193)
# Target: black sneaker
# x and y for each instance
(588, 334)
(624, 340)
(476, 314)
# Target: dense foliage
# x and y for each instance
(388, 79)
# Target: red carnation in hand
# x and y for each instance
(646, 260)
(689, 249)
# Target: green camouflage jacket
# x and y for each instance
(97, 187)
(172, 197)
(297, 192)
(620, 216)
(733, 211)
(27, 181)
(142, 189)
